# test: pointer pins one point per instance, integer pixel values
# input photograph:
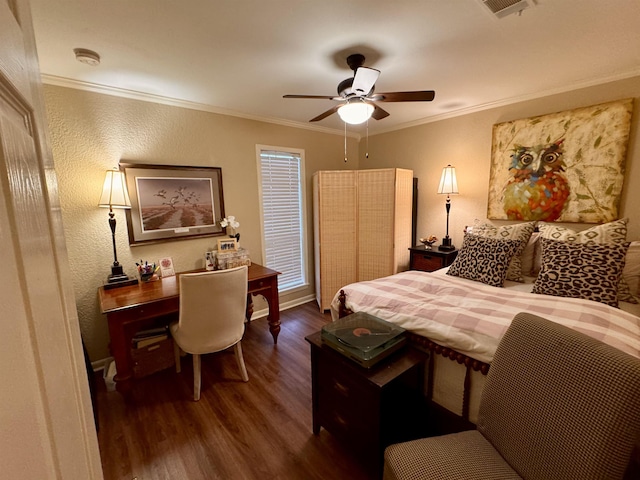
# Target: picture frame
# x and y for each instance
(170, 202)
(227, 245)
(581, 177)
(166, 267)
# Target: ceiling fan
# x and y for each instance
(357, 95)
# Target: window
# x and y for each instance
(281, 175)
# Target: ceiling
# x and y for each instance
(241, 56)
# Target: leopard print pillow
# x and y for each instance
(576, 270)
(518, 231)
(608, 233)
(484, 259)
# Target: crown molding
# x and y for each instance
(174, 102)
(512, 100)
(147, 97)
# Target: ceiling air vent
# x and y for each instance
(502, 8)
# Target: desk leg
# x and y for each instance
(274, 309)
(249, 307)
(273, 302)
(120, 349)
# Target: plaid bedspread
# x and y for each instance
(471, 317)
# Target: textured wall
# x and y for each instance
(465, 142)
(91, 132)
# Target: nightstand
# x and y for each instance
(430, 260)
(368, 408)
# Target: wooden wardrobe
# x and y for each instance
(362, 226)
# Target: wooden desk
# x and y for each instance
(133, 308)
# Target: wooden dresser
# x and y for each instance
(368, 408)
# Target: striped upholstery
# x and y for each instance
(556, 405)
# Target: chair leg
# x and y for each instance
(176, 356)
(243, 369)
(196, 377)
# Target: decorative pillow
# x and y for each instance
(608, 233)
(484, 259)
(519, 231)
(612, 232)
(631, 272)
(528, 255)
(577, 270)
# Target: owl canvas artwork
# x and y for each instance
(562, 167)
(538, 188)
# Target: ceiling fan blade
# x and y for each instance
(331, 111)
(320, 97)
(379, 113)
(420, 96)
(364, 80)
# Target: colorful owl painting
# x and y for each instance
(538, 188)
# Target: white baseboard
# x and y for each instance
(101, 364)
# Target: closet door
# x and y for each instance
(376, 223)
(334, 208)
(384, 221)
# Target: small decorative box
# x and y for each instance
(227, 260)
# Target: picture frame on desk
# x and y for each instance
(166, 267)
(227, 245)
(170, 202)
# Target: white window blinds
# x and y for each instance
(282, 216)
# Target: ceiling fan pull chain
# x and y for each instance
(366, 155)
(345, 142)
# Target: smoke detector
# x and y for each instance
(502, 8)
(88, 57)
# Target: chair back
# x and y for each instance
(560, 404)
(212, 309)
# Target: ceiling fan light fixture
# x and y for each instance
(355, 112)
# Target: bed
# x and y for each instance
(459, 315)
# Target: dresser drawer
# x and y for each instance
(347, 404)
(350, 413)
(426, 262)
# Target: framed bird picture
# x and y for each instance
(562, 167)
(173, 202)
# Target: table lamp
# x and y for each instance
(448, 186)
(115, 195)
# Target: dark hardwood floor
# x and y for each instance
(255, 430)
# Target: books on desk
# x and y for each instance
(144, 338)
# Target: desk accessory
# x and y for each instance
(115, 195)
(166, 267)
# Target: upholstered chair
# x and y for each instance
(211, 318)
(557, 404)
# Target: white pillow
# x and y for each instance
(631, 272)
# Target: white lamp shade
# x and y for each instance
(355, 112)
(114, 191)
(448, 181)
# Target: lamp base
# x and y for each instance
(123, 282)
(115, 278)
(446, 245)
(118, 278)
